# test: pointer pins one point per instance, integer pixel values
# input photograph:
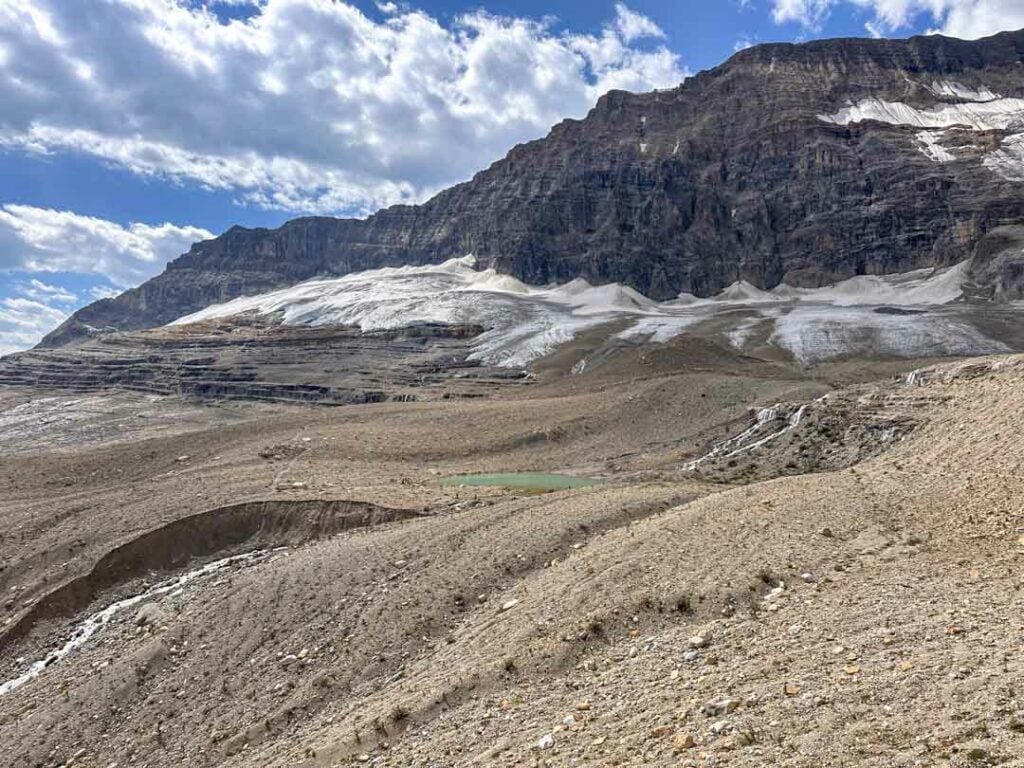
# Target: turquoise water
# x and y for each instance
(534, 481)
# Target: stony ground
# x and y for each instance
(867, 615)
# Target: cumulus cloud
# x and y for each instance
(969, 19)
(808, 13)
(50, 294)
(45, 240)
(24, 321)
(98, 292)
(633, 26)
(35, 242)
(303, 105)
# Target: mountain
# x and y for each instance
(804, 164)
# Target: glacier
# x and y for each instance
(523, 323)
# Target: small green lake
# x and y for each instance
(533, 481)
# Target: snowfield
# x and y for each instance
(975, 109)
(523, 323)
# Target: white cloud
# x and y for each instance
(44, 240)
(634, 26)
(969, 19)
(742, 43)
(24, 321)
(40, 240)
(304, 105)
(808, 13)
(98, 292)
(980, 18)
(51, 294)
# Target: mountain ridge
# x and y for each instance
(732, 175)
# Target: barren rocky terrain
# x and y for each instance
(688, 435)
(246, 584)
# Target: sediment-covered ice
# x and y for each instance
(523, 323)
(814, 333)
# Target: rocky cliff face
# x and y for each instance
(802, 164)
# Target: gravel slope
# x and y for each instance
(861, 616)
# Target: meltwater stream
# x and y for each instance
(94, 623)
(744, 442)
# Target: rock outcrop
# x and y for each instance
(733, 175)
(998, 264)
(268, 363)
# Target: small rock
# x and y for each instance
(691, 656)
(719, 707)
(807, 577)
(744, 739)
(683, 741)
(508, 606)
(699, 641)
(183, 458)
(547, 741)
(662, 731)
(150, 615)
(582, 706)
(775, 594)
(827, 533)
(568, 721)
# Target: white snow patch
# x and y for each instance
(998, 114)
(957, 90)
(932, 148)
(988, 112)
(1008, 160)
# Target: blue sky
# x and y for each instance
(131, 128)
